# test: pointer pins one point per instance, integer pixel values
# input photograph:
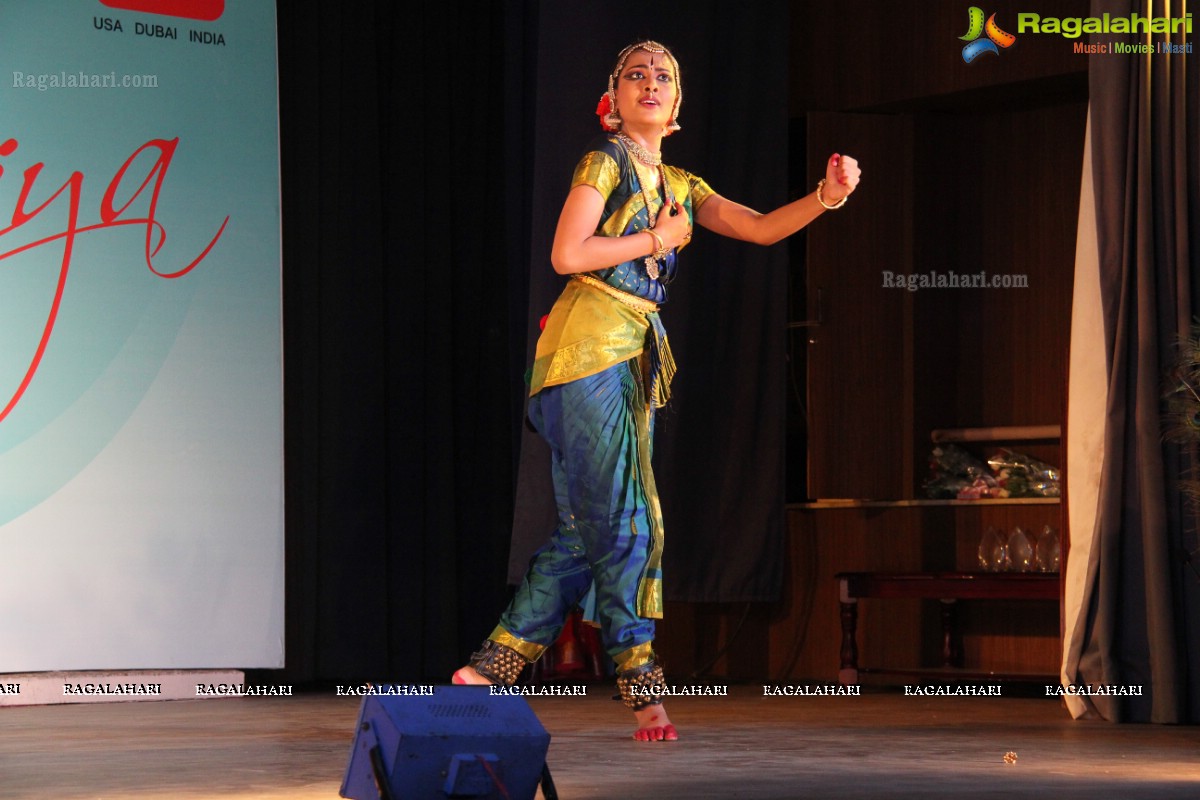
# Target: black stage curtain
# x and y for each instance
(718, 449)
(1143, 624)
(424, 154)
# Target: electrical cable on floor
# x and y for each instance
(499, 784)
(805, 615)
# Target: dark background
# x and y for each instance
(425, 154)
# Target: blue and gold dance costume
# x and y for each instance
(602, 366)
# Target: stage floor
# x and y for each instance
(881, 744)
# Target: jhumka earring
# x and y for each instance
(612, 120)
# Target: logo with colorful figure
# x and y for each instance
(976, 27)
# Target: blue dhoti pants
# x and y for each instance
(600, 553)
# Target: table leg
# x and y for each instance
(952, 655)
(848, 674)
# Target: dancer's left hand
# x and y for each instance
(841, 177)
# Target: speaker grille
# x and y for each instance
(472, 710)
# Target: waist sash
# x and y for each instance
(593, 326)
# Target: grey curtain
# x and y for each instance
(1141, 626)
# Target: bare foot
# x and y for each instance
(654, 725)
(468, 676)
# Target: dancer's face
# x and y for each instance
(646, 89)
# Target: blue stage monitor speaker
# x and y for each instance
(461, 741)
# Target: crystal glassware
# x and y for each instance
(993, 550)
(1020, 550)
(1048, 551)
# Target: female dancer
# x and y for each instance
(602, 366)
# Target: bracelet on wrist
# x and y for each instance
(661, 250)
(821, 199)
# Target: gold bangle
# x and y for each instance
(657, 240)
(821, 200)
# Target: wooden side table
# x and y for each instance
(946, 587)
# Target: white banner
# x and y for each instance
(141, 421)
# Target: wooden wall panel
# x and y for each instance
(857, 371)
(1000, 195)
(967, 167)
(879, 54)
(805, 632)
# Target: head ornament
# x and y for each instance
(610, 116)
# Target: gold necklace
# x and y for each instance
(640, 153)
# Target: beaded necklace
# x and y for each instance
(637, 151)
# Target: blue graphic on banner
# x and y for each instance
(140, 336)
